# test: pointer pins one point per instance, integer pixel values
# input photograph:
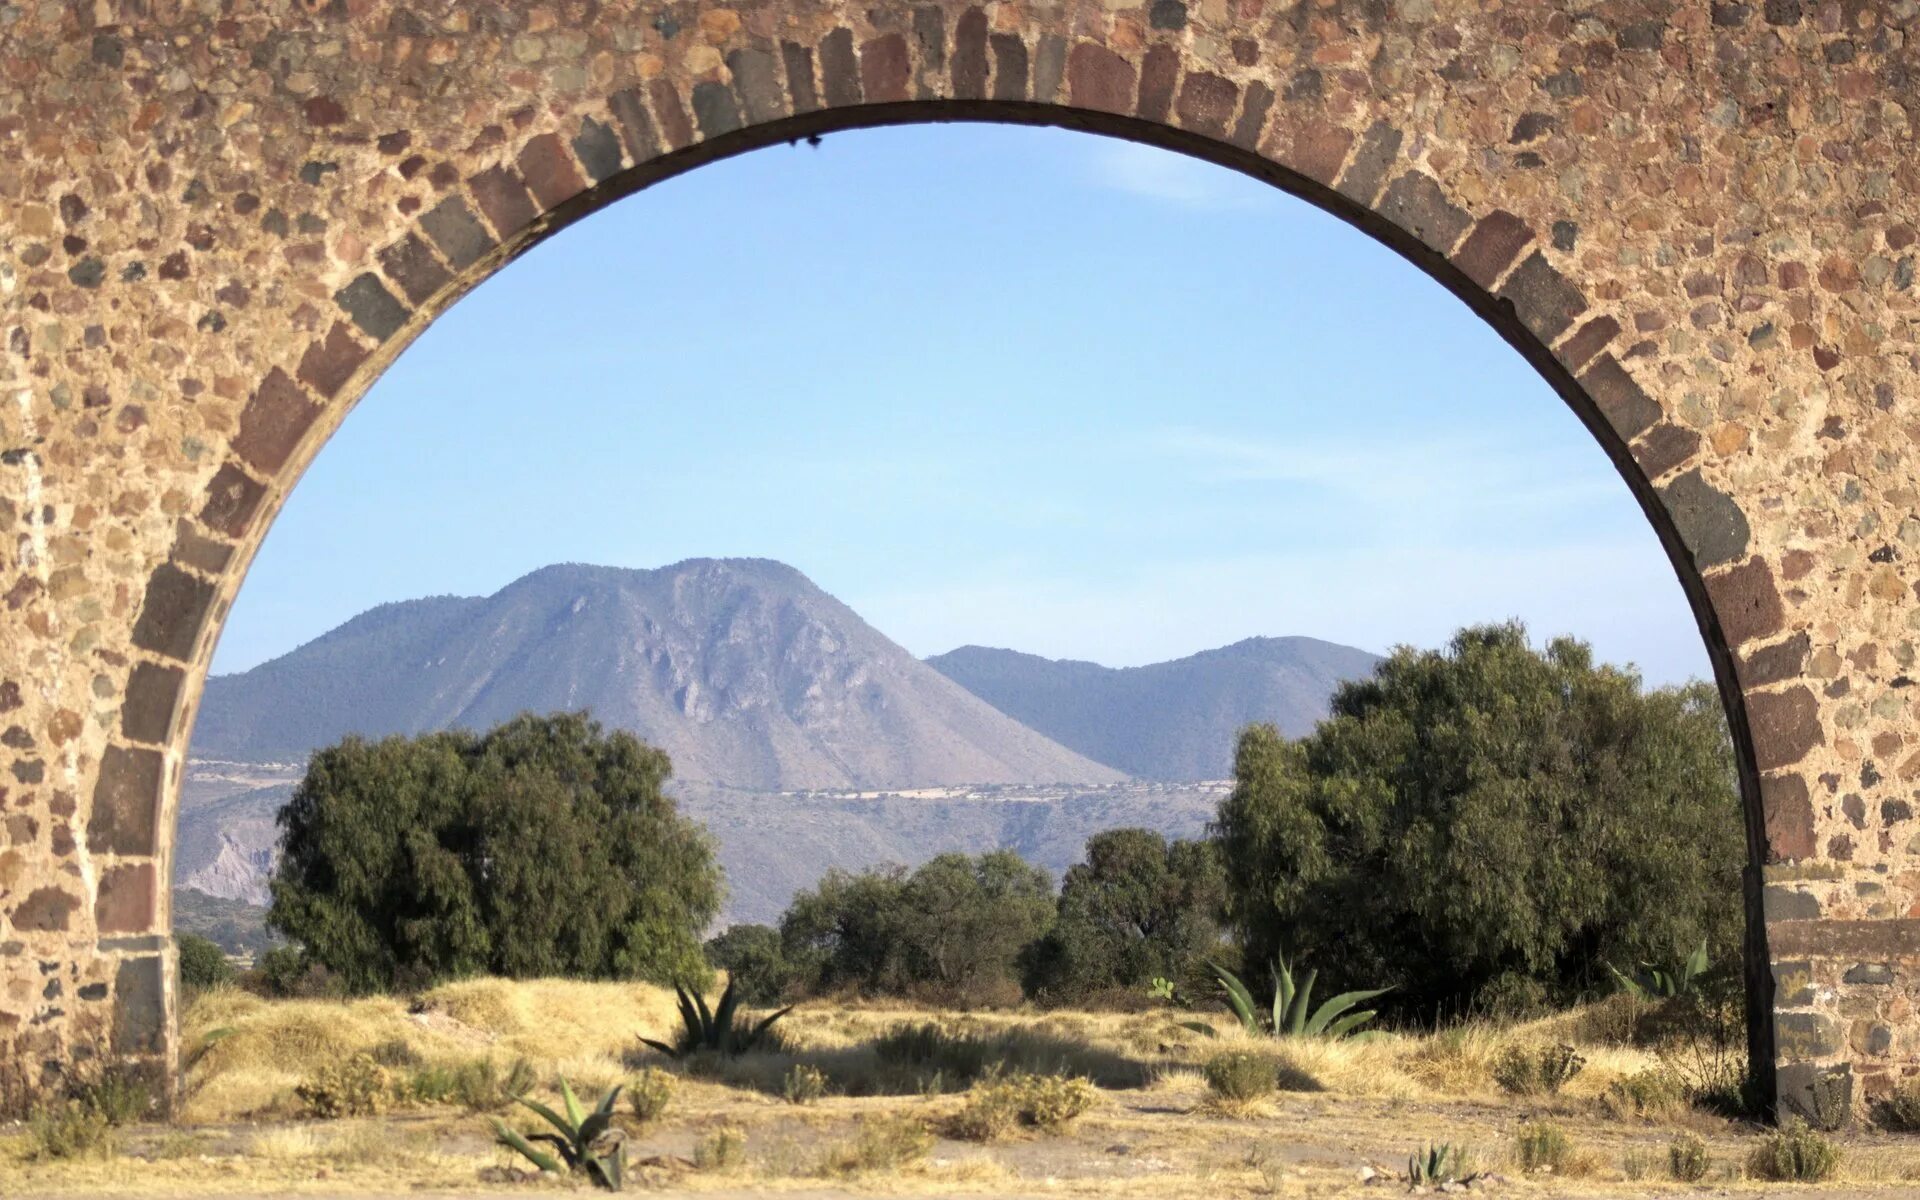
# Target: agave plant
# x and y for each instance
(1665, 983)
(583, 1141)
(719, 1029)
(1293, 1014)
(1433, 1166)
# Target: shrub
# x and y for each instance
(1899, 1112)
(721, 1150)
(480, 1087)
(649, 1094)
(1240, 1077)
(1537, 1070)
(1794, 1153)
(1544, 1146)
(121, 1094)
(1052, 1102)
(1687, 1158)
(1651, 1094)
(884, 1144)
(356, 1086)
(990, 1113)
(202, 963)
(69, 1129)
(1048, 1103)
(803, 1084)
(395, 1052)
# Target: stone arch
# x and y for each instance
(278, 231)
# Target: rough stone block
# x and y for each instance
(1708, 520)
(126, 900)
(1416, 204)
(1367, 172)
(232, 498)
(372, 307)
(329, 363)
(1492, 247)
(457, 232)
(1746, 602)
(173, 612)
(1785, 726)
(126, 803)
(1544, 299)
(504, 200)
(273, 422)
(146, 711)
(140, 1006)
(409, 263)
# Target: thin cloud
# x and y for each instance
(1171, 177)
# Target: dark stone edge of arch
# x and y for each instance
(1496, 310)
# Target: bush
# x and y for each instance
(476, 1085)
(353, 1087)
(202, 963)
(1651, 1094)
(884, 1144)
(803, 1084)
(120, 1093)
(754, 961)
(721, 1150)
(650, 1094)
(1240, 1077)
(545, 847)
(1899, 1112)
(69, 1129)
(1489, 810)
(1537, 1070)
(1544, 1146)
(1687, 1158)
(1052, 1102)
(1794, 1153)
(990, 1113)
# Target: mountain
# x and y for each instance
(742, 670)
(1172, 720)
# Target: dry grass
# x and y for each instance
(1376, 1101)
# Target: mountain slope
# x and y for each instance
(1171, 720)
(742, 670)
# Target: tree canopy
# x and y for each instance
(543, 847)
(1489, 824)
(1139, 908)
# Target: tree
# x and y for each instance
(966, 920)
(202, 963)
(754, 960)
(544, 847)
(1137, 909)
(1488, 825)
(953, 930)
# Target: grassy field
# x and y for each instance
(915, 1101)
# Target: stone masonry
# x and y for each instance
(220, 219)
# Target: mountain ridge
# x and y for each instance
(745, 672)
(1173, 720)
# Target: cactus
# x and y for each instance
(1293, 1014)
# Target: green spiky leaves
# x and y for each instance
(582, 1141)
(719, 1029)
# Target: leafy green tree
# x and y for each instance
(202, 963)
(966, 920)
(1488, 825)
(754, 960)
(1139, 908)
(543, 847)
(953, 930)
(844, 933)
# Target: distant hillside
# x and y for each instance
(742, 670)
(1172, 720)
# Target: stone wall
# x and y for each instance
(219, 219)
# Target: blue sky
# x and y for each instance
(1016, 387)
